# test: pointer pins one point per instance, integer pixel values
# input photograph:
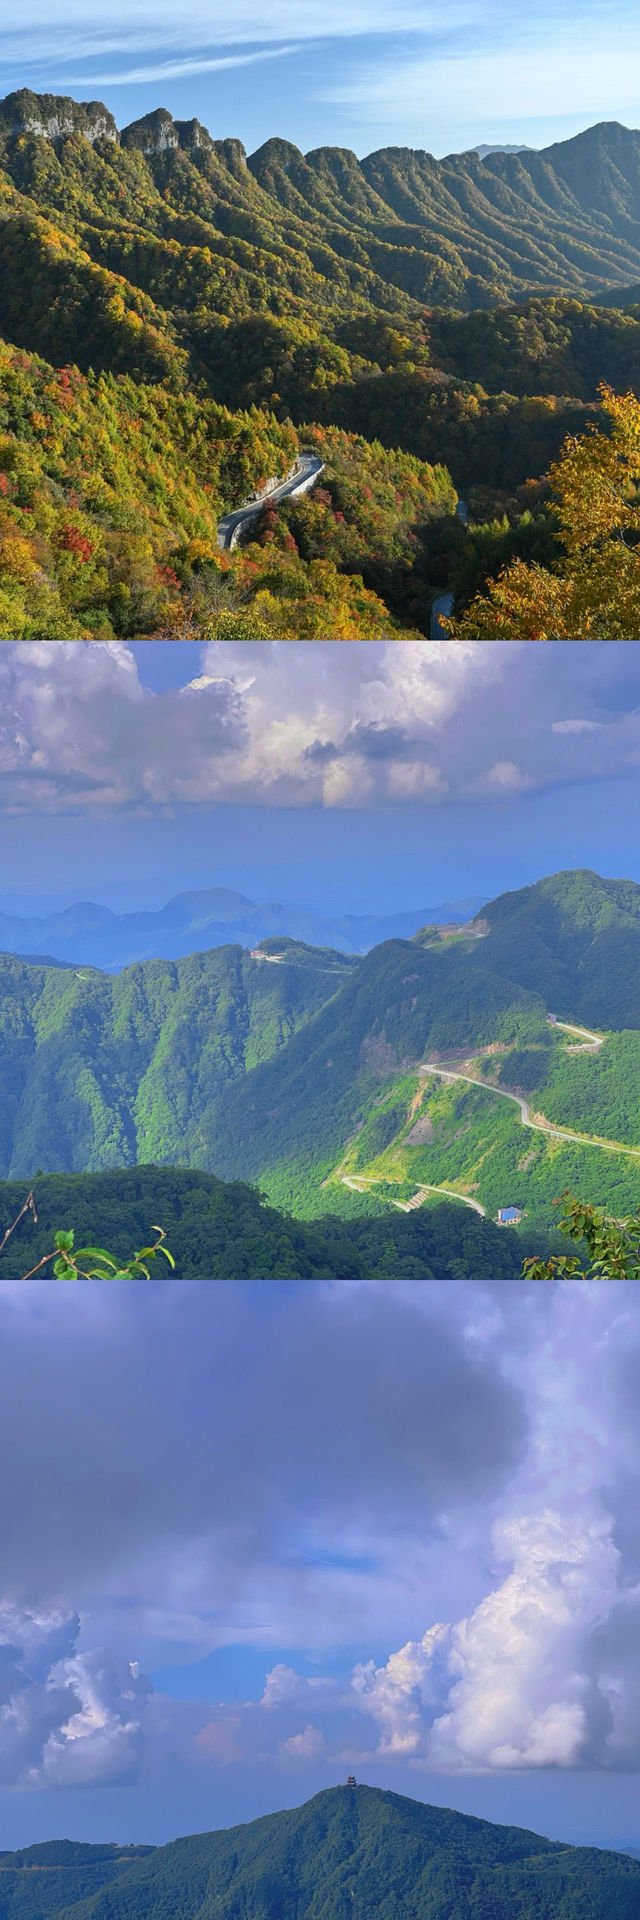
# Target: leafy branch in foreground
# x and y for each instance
(613, 1246)
(70, 1263)
(594, 592)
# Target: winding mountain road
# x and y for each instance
(303, 476)
(539, 1126)
(593, 1041)
(408, 1206)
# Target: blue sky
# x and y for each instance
(256, 1537)
(440, 74)
(350, 777)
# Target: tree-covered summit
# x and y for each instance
(350, 1853)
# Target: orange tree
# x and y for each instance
(594, 592)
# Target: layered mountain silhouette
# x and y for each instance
(208, 916)
(465, 231)
(351, 1851)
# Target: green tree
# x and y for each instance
(613, 1246)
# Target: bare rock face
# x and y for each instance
(55, 116)
(158, 132)
(154, 133)
(192, 134)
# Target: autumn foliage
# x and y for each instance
(593, 590)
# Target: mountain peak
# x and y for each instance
(55, 116)
(157, 132)
(351, 1851)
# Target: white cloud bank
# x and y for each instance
(67, 1718)
(512, 1685)
(520, 1569)
(333, 724)
(545, 1670)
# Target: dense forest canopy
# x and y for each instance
(180, 319)
(351, 1849)
(318, 1080)
(225, 1230)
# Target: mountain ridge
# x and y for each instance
(179, 320)
(359, 1850)
(385, 189)
(89, 934)
(340, 1082)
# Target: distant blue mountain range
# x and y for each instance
(210, 917)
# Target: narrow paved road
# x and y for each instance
(539, 1126)
(307, 470)
(594, 1040)
(408, 1206)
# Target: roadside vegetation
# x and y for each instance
(181, 320)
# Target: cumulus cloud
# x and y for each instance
(544, 1671)
(282, 1683)
(451, 1472)
(514, 1684)
(308, 1745)
(332, 724)
(67, 1718)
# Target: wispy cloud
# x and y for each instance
(522, 69)
(177, 69)
(79, 32)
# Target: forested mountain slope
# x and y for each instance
(362, 1851)
(573, 938)
(101, 1071)
(36, 1882)
(317, 1076)
(396, 228)
(569, 945)
(219, 1230)
(172, 307)
(110, 495)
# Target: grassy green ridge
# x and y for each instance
(356, 1851)
(464, 1138)
(339, 1097)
